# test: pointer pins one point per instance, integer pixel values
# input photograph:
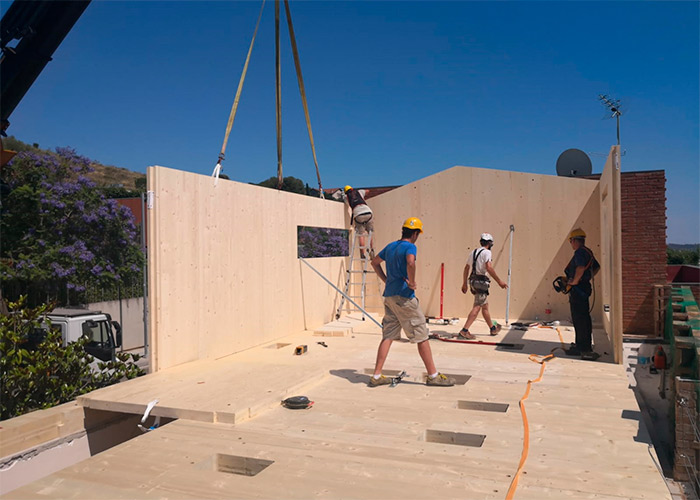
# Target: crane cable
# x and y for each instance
(232, 116)
(302, 91)
(526, 427)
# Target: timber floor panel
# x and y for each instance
(356, 442)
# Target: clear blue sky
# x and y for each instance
(397, 90)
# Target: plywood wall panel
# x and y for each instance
(610, 274)
(224, 270)
(460, 203)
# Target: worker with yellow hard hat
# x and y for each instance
(579, 273)
(401, 309)
(361, 218)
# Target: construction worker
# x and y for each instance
(401, 309)
(479, 261)
(579, 273)
(361, 217)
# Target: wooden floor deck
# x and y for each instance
(232, 439)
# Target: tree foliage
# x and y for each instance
(683, 256)
(291, 184)
(322, 242)
(59, 232)
(38, 371)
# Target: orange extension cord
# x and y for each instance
(526, 427)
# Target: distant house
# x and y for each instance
(684, 274)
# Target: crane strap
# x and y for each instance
(278, 93)
(302, 91)
(234, 108)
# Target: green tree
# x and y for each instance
(291, 184)
(38, 371)
(680, 256)
(59, 232)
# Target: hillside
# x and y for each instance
(103, 175)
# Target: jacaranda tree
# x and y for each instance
(59, 232)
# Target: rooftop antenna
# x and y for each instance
(614, 106)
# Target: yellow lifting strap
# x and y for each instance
(232, 116)
(302, 91)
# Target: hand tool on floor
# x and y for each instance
(395, 380)
(297, 403)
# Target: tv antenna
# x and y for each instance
(614, 106)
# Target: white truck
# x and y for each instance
(105, 335)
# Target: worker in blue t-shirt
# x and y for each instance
(401, 309)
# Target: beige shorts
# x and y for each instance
(400, 312)
(481, 299)
(364, 227)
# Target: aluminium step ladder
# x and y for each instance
(357, 269)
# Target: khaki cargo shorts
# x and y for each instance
(481, 299)
(400, 312)
(364, 227)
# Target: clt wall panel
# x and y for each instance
(611, 250)
(223, 268)
(460, 203)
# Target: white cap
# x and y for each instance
(486, 237)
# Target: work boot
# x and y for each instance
(375, 382)
(440, 380)
(589, 356)
(573, 350)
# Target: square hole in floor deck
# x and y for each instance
(460, 379)
(232, 464)
(482, 406)
(278, 345)
(458, 438)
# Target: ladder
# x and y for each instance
(354, 270)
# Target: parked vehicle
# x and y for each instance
(105, 334)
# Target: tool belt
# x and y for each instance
(479, 283)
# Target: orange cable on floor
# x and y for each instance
(526, 428)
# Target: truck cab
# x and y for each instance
(105, 335)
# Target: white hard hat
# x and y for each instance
(486, 237)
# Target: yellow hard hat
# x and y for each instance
(413, 223)
(577, 233)
(347, 188)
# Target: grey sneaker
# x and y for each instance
(375, 382)
(440, 380)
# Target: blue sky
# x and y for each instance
(397, 90)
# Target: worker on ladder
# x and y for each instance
(361, 218)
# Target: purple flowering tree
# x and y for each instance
(59, 232)
(321, 242)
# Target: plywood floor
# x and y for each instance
(374, 443)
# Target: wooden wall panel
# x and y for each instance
(224, 274)
(611, 250)
(460, 203)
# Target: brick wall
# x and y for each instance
(643, 247)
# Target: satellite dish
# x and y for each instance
(574, 163)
